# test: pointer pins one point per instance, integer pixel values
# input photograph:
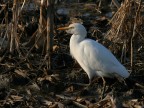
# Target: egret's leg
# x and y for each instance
(104, 86)
(90, 81)
(88, 85)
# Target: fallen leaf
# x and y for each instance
(22, 73)
(16, 98)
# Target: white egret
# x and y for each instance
(93, 57)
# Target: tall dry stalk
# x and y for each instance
(46, 23)
(14, 40)
(134, 32)
(50, 26)
(42, 21)
(123, 33)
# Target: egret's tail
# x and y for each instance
(121, 70)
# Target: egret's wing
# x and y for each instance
(99, 58)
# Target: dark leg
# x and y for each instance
(103, 89)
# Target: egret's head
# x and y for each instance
(75, 28)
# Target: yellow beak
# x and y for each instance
(64, 28)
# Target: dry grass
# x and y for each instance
(126, 31)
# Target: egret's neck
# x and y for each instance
(74, 43)
(76, 39)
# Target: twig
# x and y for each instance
(79, 84)
(66, 97)
(3, 7)
(139, 85)
(116, 3)
(123, 55)
(120, 25)
(79, 105)
(23, 5)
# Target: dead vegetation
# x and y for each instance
(33, 77)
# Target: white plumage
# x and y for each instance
(93, 57)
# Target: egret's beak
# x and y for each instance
(64, 28)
